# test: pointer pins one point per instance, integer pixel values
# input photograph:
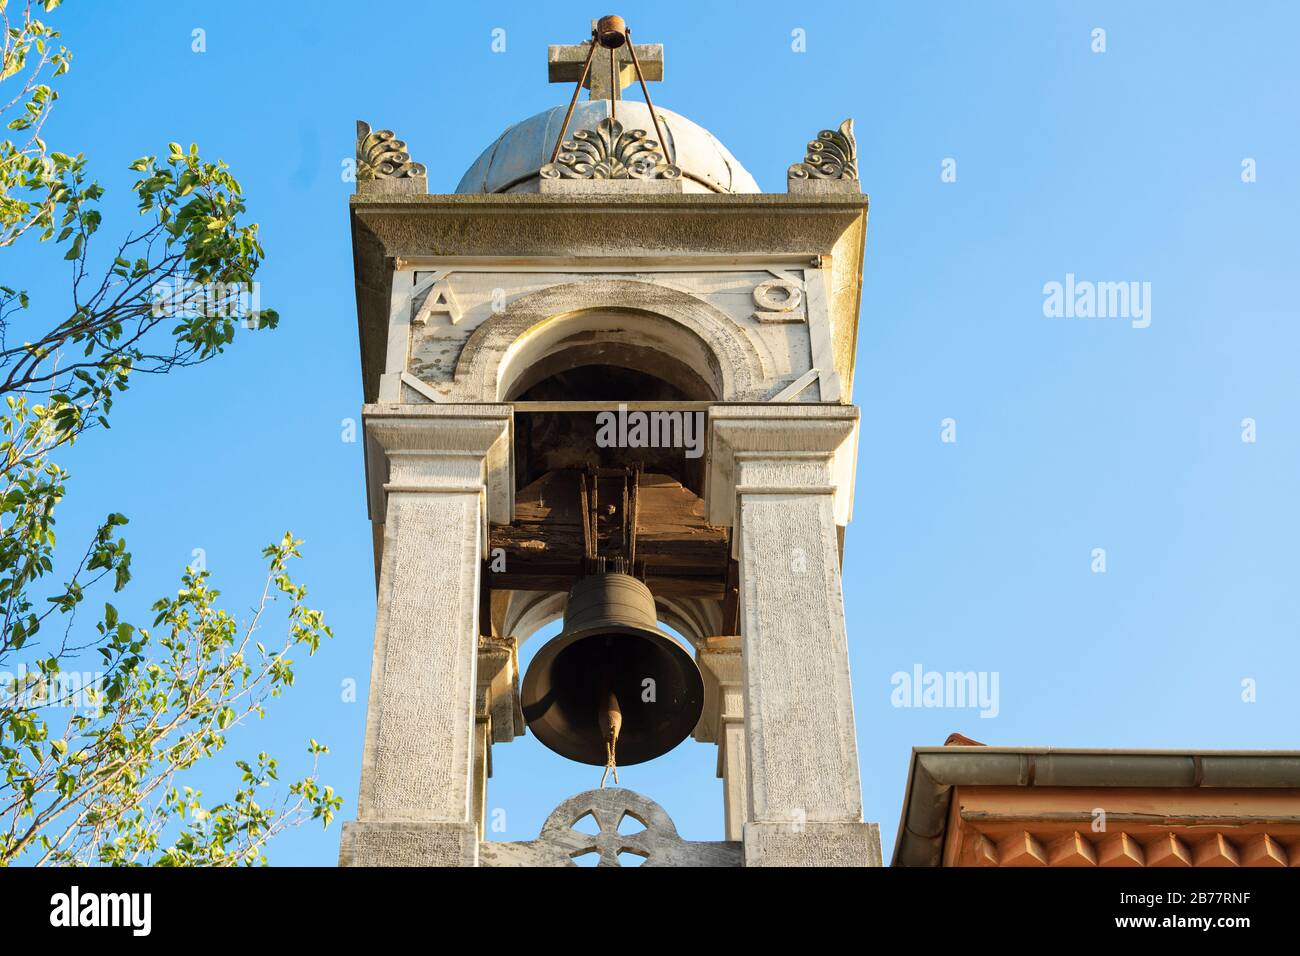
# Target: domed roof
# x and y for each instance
(511, 164)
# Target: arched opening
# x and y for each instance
(600, 365)
(646, 326)
(629, 339)
(528, 780)
(563, 371)
(561, 429)
(581, 370)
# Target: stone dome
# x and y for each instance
(512, 163)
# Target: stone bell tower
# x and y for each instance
(610, 366)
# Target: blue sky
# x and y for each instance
(1072, 434)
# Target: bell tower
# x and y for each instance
(608, 380)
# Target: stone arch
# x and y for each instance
(692, 618)
(530, 611)
(680, 326)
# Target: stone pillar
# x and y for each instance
(482, 769)
(786, 471)
(498, 702)
(724, 700)
(417, 805)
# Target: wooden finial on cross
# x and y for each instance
(564, 64)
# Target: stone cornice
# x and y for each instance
(537, 199)
(401, 439)
(434, 429)
(830, 228)
(807, 448)
(541, 224)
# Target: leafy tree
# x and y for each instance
(101, 784)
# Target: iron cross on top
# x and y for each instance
(564, 65)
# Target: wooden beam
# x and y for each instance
(682, 554)
(661, 585)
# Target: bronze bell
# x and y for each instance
(593, 675)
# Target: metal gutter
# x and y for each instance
(934, 771)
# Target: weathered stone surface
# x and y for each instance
(513, 163)
(812, 844)
(419, 758)
(803, 757)
(428, 440)
(498, 681)
(820, 236)
(831, 157)
(408, 844)
(779, 465)
(383, 165)
(588, 310)
(723, 722)
(564, 64)
(610, 187)
(611, 152)
(421, 702)
(824, 187)
(778, 428)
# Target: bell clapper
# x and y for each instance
(610, 718)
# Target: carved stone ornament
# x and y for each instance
(610, 152)
(652, 839)
(380, 155)
(778, 296)
(832, 155)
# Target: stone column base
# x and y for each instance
(408, 844)
(812, 844)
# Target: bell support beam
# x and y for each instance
(782, 476)
(436, 466)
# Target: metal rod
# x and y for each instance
(584, 504)
(574, 100)
(595, 515)
(627, 539)
(613, 87)
(631, 520)
(645, 90)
